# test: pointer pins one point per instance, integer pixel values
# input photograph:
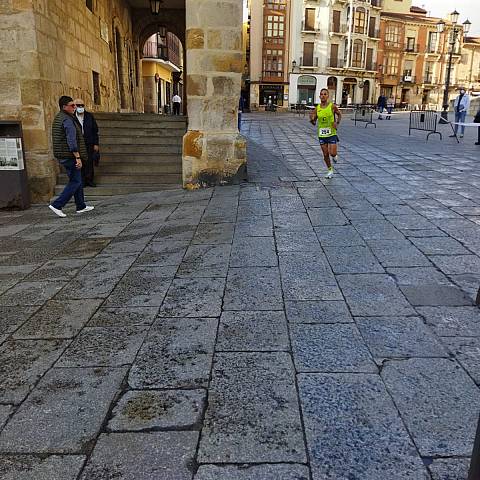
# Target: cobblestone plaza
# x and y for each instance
(287, 328)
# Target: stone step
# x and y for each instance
(138, 125)
(140, 132)
(129, 139)
(110, 190)
(131, 178)
(138, 149)
(146, 158)
(144, 117)
(112, 167)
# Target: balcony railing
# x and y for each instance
(377, 3)
(407, 78)
(308, 28)
(307, 63)
(431, 49)
(342, 28)
(154, 50)
(334, 62)
(429, 79)
(412, 47)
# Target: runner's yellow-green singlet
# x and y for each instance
(325, 119)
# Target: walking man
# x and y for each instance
(327, 116)
(90, 134)
(461, 106)
(69, 149)
(381, 105)
(176, 104)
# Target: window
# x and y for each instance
(89, 4)
(275, 28)
(336, 21)
(96, 88)
(432, 42)
(357, 54)
(429, 72)
(334, 55)
(410, 47)
(275, 4)
(360, 22)
(392, 63)
(273, 63)
(309, 19)
(392, 36)
(308, 54)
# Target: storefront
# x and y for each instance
(271, 94)
(306, 87)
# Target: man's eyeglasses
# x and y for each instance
(81, 105)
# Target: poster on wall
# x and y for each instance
(11, 154)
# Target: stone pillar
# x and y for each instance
(213, 150)
(150, 94)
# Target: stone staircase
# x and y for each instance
(139, 153)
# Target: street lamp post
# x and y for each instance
(456, 30)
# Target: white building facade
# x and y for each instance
(333, 44)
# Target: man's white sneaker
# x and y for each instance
(56, 211)
(86, 209)
(329, 173)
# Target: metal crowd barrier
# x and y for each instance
(424, 120)
(364, 115)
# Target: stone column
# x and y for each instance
(213, 150)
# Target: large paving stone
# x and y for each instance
(13, 317)
(104, 347)
(440, 246)
(253, 288)
(358, 259)
(467, 352)
(373, 294)
(59, 319)
(141, 410)
(307, 276)
(339, 236)
(98, 278)
(128, 242)
(159, 254)
(143, 456)
(142, 287)
(253, 414)
(5, 411)
(194, 297)
(84, 248)
(123, 316)
(29, 467)
(299, 221)
(251, 207)
(398, 253)
(176, 354)
(214, 233)
(317, 312)
(418, 276)
(253, 252)
(354, 431)
(58, 270)
(435, 295)
(30, 293)
(327, 216)
(256, 226)
(435, 398)
(456, 264)
(253, 472)
(252, 331)
(64, 413)
(377, 230)
(450, 469)
(23, 363)
(203, 261)
(411, 222)
(330, 348)
(452, 321)
(399, 337)
(294, 241)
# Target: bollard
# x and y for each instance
(474, 473)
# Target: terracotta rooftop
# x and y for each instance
(414, 9)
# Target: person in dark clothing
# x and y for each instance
(381, 105)
(69, 149)
(241, 106)
(477, 120)
(90, 134)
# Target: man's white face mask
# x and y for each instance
(80, 109)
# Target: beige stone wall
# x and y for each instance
(49, 49)
(213, 149)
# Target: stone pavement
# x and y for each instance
(290, 328)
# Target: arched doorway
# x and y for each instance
(366, 92)
(306, 87)
(348, 91)
(332, 88)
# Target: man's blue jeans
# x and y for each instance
(73, 188)
(460, 117)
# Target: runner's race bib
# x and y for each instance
(325, 132)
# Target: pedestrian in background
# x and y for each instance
(477, 120)
(241, 105)
(90, 134)
(381, 105)
(176, 100)
(69, 149)
(461, 106)
(390, 106)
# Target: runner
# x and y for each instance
(328, 116)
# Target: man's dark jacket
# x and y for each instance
(90, 129)
(61, 150)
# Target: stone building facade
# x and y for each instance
(93, 49)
